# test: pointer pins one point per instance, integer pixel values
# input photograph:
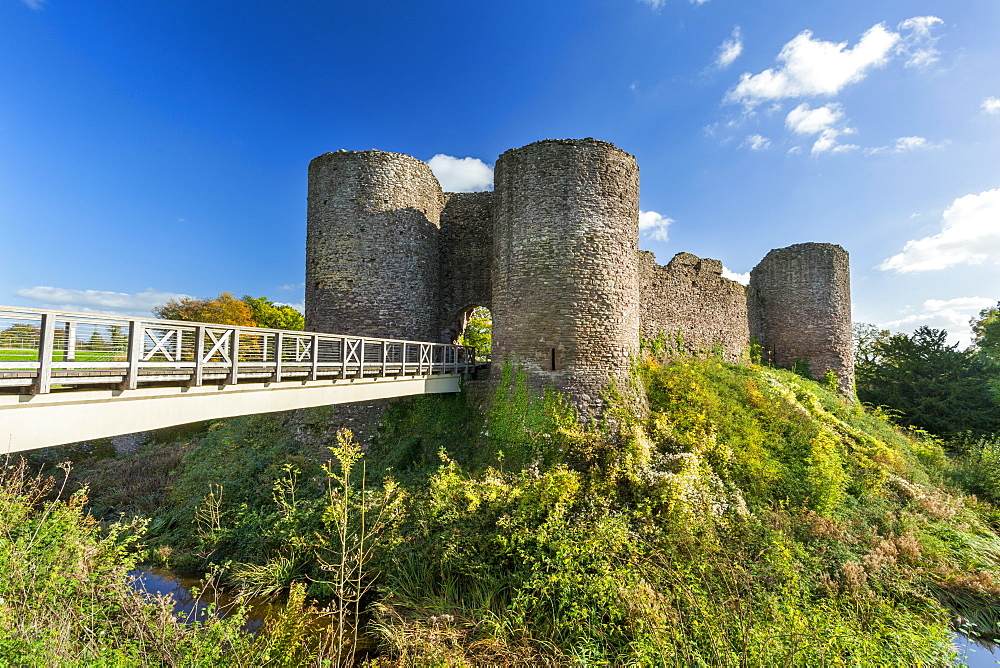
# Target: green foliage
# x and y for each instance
(986, 332)
(274, 316)
(479, 332)
(65, 598)
(977, 469)
(929, 384)
(747, 516)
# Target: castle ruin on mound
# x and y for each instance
(553, 252)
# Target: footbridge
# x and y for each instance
(67, 377)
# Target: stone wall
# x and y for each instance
(565, 275)
(372, 254)
(466, 257)
(553, 252)
(689, 298)
(800, 302)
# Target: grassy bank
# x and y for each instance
(742, 516)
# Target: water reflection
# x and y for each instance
(188, 608)
(975, 655)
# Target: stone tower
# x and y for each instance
(372, 252)
(565, 264)
(553, 253)
(800, 299)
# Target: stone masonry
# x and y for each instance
(553, 253)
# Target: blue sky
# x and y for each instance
(154, 149)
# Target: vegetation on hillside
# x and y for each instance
(734, 515)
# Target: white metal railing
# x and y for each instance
(40, 349)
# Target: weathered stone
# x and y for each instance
(553, 252)
(800, 299)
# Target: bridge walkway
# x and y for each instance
(67, 377)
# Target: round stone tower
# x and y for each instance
(800, 309)
(372, 256)
(565, 265)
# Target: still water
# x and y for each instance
(975, 655)
(190, 608)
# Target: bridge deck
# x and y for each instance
(68, 377)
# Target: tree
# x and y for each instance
(865, 338)
(20, 335)
(274, 316)
(986, 332)
(986, 340)
(928, 383)
(223, 310)
(479, 332)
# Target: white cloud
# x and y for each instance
(654, 226)
(742, 279)
(905, 145)
(918, 43)
(950, 314)
(97, 301)
(656, 4)
(34, 4)
(730, 49)
(756, 143)
(970, 234)
(822, 121)
(461, 175)
(991, 105)
(810, 67)
(803, 120)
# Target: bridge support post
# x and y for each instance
(70, 355)
(46, 341)
(279, 341)
(234, 357)
(314, 373)
(199, 356)
(134, 348)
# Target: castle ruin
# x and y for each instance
(553, 252)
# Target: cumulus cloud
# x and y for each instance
(991, 105)
(918, 43)
(654, 226)
(950, 314)
(461, 175)
(97, 301)
(742, 279)
(730, 49)
(809, 67)
(970, 234)
(756, 143)
(825, 121)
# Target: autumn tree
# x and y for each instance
(222, 310)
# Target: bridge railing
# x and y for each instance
(41, 349)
